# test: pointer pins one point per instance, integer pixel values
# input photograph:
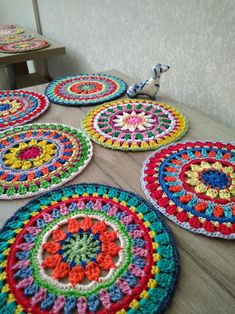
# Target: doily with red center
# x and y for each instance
(38, 157)
(85, 89)
(87, 248)
(193, 184)
(19, 107)
(24, 46)
(135, 124)
(13, 38)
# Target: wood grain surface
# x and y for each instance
(54, 49)
(207, 279)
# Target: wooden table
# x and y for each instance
(18, 60)
(207, 279)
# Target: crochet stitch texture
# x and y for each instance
(134, 125)
(193, 184)
(87, 248)
(38, 157)
(19, 107)
(85, 89)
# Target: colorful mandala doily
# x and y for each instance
(85, 89)
(39, 157)
(10, 29)
(87, 248)
(24, 46)
(7, 26)
(13, 38)
(19, 107)
(193, 184)
(134, 124)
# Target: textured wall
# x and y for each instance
(195, 37)
(17, 12)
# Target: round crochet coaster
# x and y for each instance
(7, 26)
(24, 46)
(87, 248)
(10, 29)
(135, 124)
(39, 157)
(13, 38)
(19, 107)
(193, 184)
(85, 89)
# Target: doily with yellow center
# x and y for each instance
(13, 38)
(38, 157)
(19, 107)
(135, 124)
(193, 184)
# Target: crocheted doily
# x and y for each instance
(19, 107)
(24, 45)
(10, 29)
(85, 89)
(38, 157)
(193, 184)
(13, 38)
(87, 248)
(135, 124)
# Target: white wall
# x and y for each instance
(17, 12)
(195, 37)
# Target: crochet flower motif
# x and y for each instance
(26, 155)
(82, 251)
(8, 106)
(212, 179)
(132, 121)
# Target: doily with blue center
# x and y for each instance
(39, 157)
(85, 89)
(87, 248)
(193, 184)
(19, 107)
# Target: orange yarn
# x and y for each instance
(185, 156)
(185, 198)
(212, 154)
(86, 223)
(105, 261)
(201, 206)
(198, 154)
(99, 227)
(51, 261)
(171, 169)
(108, 236)
(92, 271)
(73, 225)
(61, 270)
(58, 235)
(51, 247)
(176, 162)
(175, 188)
(218, 211)
(170, 179)
(227, 156)
(76, 275)
(110, 248)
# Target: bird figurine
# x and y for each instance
(151, 86)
